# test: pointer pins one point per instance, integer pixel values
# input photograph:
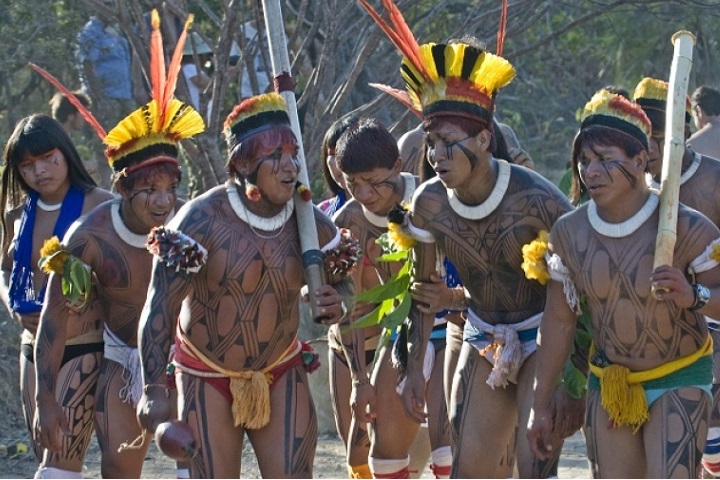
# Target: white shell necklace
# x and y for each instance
(256, 221)
(131, 238)
(382, 221)
(46, 207)
(478, 212)
(622, 229)
(686, 175)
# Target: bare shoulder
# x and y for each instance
(347, 215)
(12, 216)
(197, 217)
(523, 179)
(695, 231)
(568, 228)
(95, 197)
(325, 226)
(430, 199)
(89, 228)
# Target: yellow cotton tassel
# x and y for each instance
(359, 471)
(251, 400)
(625, 403)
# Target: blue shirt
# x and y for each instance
(109, 52)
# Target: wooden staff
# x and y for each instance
(674, 148)
(309, 244)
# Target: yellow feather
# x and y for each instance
(491, 73)
(652, 89)
(454, 55)
(188, 123)
(428, 60)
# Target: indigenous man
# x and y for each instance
(698, 189)
(231, 307)
(370, 161)
(479, 212)
(649, 401)
(706, 115)
(111, 241)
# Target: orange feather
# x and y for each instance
(157, 63)
(175, 66)
(400, 95)
(86, 114)
(403, 30)
(502, 28)
(403, 38)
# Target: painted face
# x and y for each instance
(151, 202)
(656, 142)
(277, 173)
(450, 152)
(608, 172)
(377, 189)
(47, 174)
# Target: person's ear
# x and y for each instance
(484, 138)
(397, 166)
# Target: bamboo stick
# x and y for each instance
(674, 148)
(309, 244)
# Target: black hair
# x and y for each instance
(366, 145)
(329, 144)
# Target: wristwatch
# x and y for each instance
(702, 295)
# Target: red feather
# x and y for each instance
(403, 30)
(401, 37)
(157, 63)
(72, 99)
(400, 95)
(175, 66)
(502, 28)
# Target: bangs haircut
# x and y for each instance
(148, 174)
(366, 145)
(471, 127)
(657, 119)
(259, 144)
(35, 135)
(595, 136)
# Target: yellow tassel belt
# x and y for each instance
(250, 389)
(621, 391)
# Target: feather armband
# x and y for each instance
(76, 276)
(341, 259)
(176, 250)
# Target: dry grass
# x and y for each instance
(13, 426)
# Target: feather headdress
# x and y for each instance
(446, 79)
(651, 94)
(164, 120)
(254, 115)
(610, 110)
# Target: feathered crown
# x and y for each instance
(446, 79)
(164, 120)
(610, 110)
(254, 115)
(651, 94)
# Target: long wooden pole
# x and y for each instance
(674, 147)
(312, 256)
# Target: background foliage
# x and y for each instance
(563, 50)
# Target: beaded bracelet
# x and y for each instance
(362, 381)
